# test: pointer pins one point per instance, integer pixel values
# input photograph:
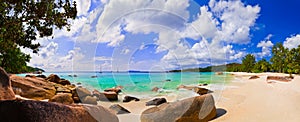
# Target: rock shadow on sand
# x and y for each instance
(220, 112)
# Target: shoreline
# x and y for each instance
(239, 99)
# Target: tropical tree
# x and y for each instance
(261, 66)
(23, 21)
(279, 57)
(248, 63)
(292, 61)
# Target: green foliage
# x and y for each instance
(261, 66)
(22, 21)
(248, 63)
(279, 57)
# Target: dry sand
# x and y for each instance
(242, 100)
(256, 100)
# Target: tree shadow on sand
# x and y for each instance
(220, 112)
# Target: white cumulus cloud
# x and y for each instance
(292, 42)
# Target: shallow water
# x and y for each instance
(140, 84)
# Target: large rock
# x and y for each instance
(6, 91)
(116, 89)
(53, 78)
(56, 79)
(90, 100)
(38, 111)
(202, 91)
(279, 78)
(63, 98)
(106, 96)
(254, 77)
(118, 109)
(82, 92)
(33, 88)
(196, 109)
(197, 89)
(64, 82)
(130, 98)
(156, 101)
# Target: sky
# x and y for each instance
(159, 35)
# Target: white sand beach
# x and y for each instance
(257, 100)
(243, 100)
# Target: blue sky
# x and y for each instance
(172, 34)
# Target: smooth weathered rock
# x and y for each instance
(33, 88)
(41, 76)
(202, 91)
(118, 109)
(82, 92)
(90, 100)
(53, 78)
(6, 91)
(130, 98)
(197, 89)
(38, 111)
(196, 109)
(64, 82)
(63, 89)
(254, 77)
(279, 78)
(63, 98)
(116, 89)
(156, 101)
(106, 96)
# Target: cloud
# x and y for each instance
(216, 26)
(102, 58)
(266, 46)
(125, 51)
(215, 29)
(83, 6)
(292, 42)
(134, 16)
(236, 20)
(48, 58)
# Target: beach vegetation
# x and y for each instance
(23, 22)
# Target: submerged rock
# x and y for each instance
(118, 109)
(196, 109)
(155, 89)
(38, 111)
(6, 91)
(33, 88)
(156, 101)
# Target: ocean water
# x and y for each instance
(140, 84)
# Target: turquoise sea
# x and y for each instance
(141, 83)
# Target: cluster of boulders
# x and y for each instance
(59, 90)
(37, 88)
(62, 95)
